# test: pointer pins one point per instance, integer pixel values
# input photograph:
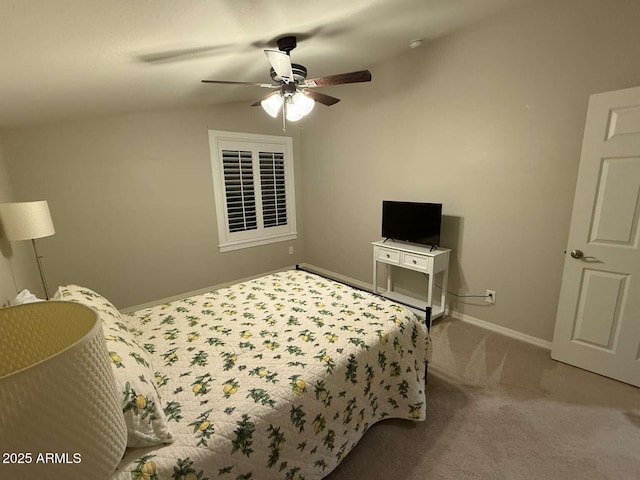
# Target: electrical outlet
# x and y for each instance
(491, 297)
(291, 250)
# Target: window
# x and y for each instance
(253, 187)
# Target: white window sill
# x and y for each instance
(229, 246)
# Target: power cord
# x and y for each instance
(461, 296)
(465, 296)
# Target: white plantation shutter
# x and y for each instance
(272, 184)
(239, 190)
(253, 187)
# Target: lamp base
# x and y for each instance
(39, 261)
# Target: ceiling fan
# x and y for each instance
(292, 91)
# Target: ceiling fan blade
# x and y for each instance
(281, 63)
(322, 98)
(353, 77)
(183, 54)
(255, 84)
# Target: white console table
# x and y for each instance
(420, 259)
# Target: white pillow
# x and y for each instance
(132, 368)
(25, 296)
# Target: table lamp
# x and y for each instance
(28, 221)
(60, 416)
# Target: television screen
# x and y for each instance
(412, 222)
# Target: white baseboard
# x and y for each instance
(337, 276)
(499, 329)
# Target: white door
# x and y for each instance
(598, 319)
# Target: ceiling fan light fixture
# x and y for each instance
(293, 112)
(303, 103)
(272, 104)
(298, 105)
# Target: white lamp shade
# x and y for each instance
(26, 220)
(272, 104)
(303, 103)
(298, 106)
(58, 393)
(293, 113)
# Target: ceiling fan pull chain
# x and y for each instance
(284, 118)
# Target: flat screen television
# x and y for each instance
(412, 222)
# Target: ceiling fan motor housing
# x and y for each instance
(299, 73)
(286, 44)
(288, 89)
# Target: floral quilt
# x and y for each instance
(274, 378)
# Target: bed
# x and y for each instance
(273, 378)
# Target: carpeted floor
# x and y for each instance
(498, 408)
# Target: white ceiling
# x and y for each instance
(73, 59)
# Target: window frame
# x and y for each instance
(222, 140)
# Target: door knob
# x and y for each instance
(579, 255)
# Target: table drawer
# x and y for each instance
(416, 262)
(388, 256)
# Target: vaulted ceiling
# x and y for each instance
(73, 59)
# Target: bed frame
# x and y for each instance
(427, 309)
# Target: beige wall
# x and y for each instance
(489, 122)
(132, 202)
(8, 288)
(17, 261)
